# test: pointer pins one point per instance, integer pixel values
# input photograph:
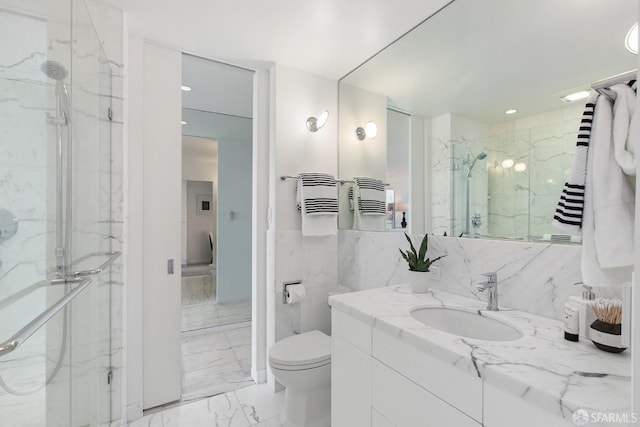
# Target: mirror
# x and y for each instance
(474, 168)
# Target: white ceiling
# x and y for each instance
(324, 37)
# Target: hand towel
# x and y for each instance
(625, 127)
(369, 198)
(569, 212)
(317, 198)
(613, 193)
(592, 273)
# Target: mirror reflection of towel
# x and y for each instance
(369, 204)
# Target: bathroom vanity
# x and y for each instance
(390, 369)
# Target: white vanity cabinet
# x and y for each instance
(390, 370)
(378, 380)
(350, 371)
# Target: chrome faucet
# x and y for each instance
(492, 285)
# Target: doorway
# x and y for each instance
(217, 220)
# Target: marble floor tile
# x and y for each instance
(216, 362)
(251, 406)
(260, 404)
(209, 314)
(198, 289)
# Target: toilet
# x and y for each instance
(302, 363)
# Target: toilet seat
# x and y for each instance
(303, 351)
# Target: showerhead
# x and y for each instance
(57, 72)
(480, 156)
(54, 70)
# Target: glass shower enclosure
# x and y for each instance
(57, 243)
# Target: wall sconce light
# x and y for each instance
(370, 130)
(520, 167)
(631, 41)
(507, 163)
(315, 124)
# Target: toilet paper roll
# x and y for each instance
(295, 293)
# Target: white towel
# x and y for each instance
(369, 204)
(596, 212)
(625, 128)
(613, 194)
(318, 204)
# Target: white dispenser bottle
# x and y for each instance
(586, 316)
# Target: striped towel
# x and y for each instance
(371, 196)
(570, 208)
(318, 194)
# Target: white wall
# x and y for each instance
(299, 95)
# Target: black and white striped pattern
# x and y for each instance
(570, 208)
(371, 196)
(319, 194)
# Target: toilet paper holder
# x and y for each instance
(285, 293)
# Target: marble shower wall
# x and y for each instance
(28, 186)
(521, 203)
(533, 277)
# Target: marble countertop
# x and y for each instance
(542, 367)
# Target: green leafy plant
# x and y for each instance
(417, 259)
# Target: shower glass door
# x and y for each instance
(55, 214)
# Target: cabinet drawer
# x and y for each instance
(401, 402)
(462, 390)
(353, 331)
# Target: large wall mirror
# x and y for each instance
(473, 101)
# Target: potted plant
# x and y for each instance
(418, 264)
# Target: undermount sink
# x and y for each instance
(464, 323)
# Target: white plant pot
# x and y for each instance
(419, 281)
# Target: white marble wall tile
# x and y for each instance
(533, 277)
(313, 260)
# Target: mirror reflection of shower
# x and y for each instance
(469, 164)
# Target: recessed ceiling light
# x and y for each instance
(186, 88)
(576, 96)
(631, 41)
(511, 111)
(184, 123)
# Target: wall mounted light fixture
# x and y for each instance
(370, 130)
(631, 41)
(314, 124)
(507, 163)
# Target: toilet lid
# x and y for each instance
(302, 349)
